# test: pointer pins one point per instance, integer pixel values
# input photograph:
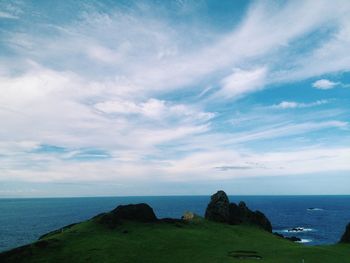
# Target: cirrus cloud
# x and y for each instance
(324, 84)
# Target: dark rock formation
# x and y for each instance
(218, 208)
(134, 212)
(346, 236)
(293, 238)
(236, 214)
(240, 213)
(296, 229)
(138, 212)
(259, 219)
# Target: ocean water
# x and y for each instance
(24, 220)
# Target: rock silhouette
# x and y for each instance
(346, 236)
(221, 210)
(133, 212)
(218, 208)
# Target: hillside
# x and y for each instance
(198, 240)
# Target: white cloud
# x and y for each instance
(264, 133)
(152, 55)
(324, 84)
(10, 10)
(153, 108)
(241, 82)
(197, 166)
(36, 85)
(203, 165)
(286, 105)
(7, 15)
(59, 108)
(294, 105)
(328, 56)
(118, 107)
(286, 129)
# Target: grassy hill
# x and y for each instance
(196, 241)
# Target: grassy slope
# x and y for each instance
(200, 241)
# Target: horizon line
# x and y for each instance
(195, 195)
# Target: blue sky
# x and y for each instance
(174, 97)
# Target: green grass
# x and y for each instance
(199, 241)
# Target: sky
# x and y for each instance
(118, 98)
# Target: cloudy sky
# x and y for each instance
(174, 97)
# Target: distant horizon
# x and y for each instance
(203, 195)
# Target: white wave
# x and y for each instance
(296, 230)
(304, 241)
(308, 229)
(315, 209)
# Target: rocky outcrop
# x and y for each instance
(134, 212)
(221, 210)
(346, 236)
(139, 212)
(296, 229)
(292, 238)
(239, 214)
(258, 218)
(218, 208)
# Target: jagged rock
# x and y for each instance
(293, 239)
(134, 212)
(235, 214)
(296, 229)
(221, 210)
(240, 213)
(259, 219)
(139, 212)
(346, 236)
(218, 208)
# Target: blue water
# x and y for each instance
(24, 220)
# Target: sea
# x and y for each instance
(315, 219)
